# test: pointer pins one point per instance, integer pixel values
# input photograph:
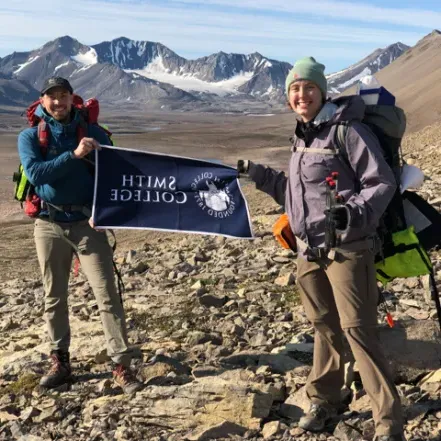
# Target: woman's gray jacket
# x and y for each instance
(366, 182)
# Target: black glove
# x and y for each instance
(339, 216)
(242, 166)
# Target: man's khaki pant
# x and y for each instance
(341, 296)
(55, 259)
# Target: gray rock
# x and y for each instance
(221, 430)
(278, 363)
(140, 267)
(272, 428)
(347, 431)
(31, 438)
(281, 259)
(296, 405)
(286, 280)
(205, 371)
(210, 300)
(130, 255)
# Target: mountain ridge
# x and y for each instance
(149, 74)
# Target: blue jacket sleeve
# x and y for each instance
(40, 171)
(37, 170)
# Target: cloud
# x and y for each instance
(190, 27)
(359, 12)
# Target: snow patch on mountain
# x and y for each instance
(341, 73)
(363, 73)
(156, 66)
(88, 58)
(269, 90)
(61, 65)
(156, 70)
(22, 66)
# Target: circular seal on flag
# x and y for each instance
(213, 195)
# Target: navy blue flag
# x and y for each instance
(136, 189)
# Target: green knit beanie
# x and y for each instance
(307, 69)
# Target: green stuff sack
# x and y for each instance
(403, 258)
(22, 185)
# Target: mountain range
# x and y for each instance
(125, 72)
(379, 59)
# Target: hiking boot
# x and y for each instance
(124, 378)
(397, 437)
(316, 418)
(59, 373)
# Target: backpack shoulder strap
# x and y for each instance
(43, 136)
(340, 138)
(340, 141)
(293, 141)
(82, 128)
(340, 147)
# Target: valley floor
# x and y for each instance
(222, 342)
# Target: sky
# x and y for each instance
(337, 33)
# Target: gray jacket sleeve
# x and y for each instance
(269, 181)
(376, 180)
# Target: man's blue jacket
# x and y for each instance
(58, 177)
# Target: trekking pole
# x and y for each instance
(333, 198)
(338, 199)
(330, 236)
(435, 296)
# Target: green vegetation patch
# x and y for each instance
(24, 385)
(148, 321)
(291, 295)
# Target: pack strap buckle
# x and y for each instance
(69, 208)
(314, 254)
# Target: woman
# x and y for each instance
(336, 277)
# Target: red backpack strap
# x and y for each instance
(43, 131)
(82, 128)
(43, 136)
(33, 120)
(93, 109)
(77, 101)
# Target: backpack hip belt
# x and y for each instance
(86, 210)
(370, 243)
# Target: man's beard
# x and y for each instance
(66, 120)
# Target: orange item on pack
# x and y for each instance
(283, 233)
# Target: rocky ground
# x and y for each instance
(223, 345)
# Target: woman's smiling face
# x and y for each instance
(306, 99)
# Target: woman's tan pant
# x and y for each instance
(55, 259)
(341, 296)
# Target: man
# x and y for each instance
(337, 282)
(63, 179)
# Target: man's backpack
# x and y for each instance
(24, 190)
